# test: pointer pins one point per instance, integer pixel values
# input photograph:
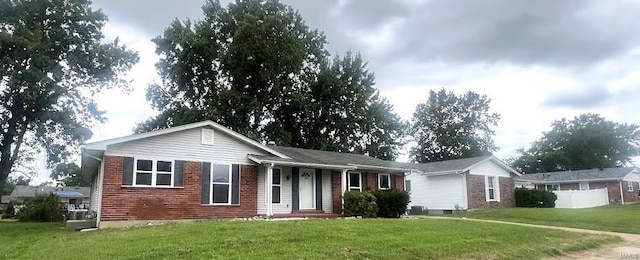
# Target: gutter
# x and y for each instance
(567, 181)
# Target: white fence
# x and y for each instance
(575, 199)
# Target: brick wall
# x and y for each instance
(399, 181)
(372, 180)
(138, 203)
(476, 195)
(613, 188)
(336, 191)
(630, 196)
(570, 186)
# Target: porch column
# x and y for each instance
(268, 190)
(343, 182)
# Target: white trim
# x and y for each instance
(100, 183)
(312, 174)
(551, 184)
(359, 187)
(372, 167)
(102, 145)
(568, 181)
(229, 183)
(495, 183)
(465, 195)
(154, 173)
(298, 164)
(388, 181)
(629, 186)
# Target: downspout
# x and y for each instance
(621, 195)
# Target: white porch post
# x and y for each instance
(344, 184)
(268, 190)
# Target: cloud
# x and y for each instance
(586, 97)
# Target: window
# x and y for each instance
(355, 181)
(491, 188)
(407, 185)
(221, 184)
(629, 186)
(552, 187)
(384, 181)
(276, 186)
(153, 173)
(584, 186)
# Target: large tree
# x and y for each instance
(52, 61)
(585, 142)
(69, 174)
(449, 127)
(255, 67)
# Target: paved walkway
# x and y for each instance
(629, 249)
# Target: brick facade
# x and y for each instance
(142, 203)
(476, 195)
(336, 191)
(399, 182)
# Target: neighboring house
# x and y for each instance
(77, 196)
(463, 184)
(622, 183)
(4, 201)
(204, 170)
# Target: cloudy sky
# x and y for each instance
(538, 61)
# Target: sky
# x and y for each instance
(538, 61)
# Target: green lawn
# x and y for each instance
(311, 239)
(619, 218)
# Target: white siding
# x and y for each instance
(437, 192)
(186, 145)
(634, 176)
(95, 191)
(489, 168)
(286, 206)
(327, 203)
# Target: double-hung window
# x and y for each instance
(276, 186)
(552, 187)
(384, 181)
(492, 188)
(583, 185)
(629, 186)
(153, 173)
(221, 184)
(355, 181)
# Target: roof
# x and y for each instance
(461, 165)
(332, 160)
(22, 191)
(617, 173)
(102, 145)
(5, 199)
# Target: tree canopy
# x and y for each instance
(52, 61)
(449, 127)
(12, 182)
(69, 174)
(587, 141)
(257, 68)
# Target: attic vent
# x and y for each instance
(207, 136)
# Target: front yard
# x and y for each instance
(310, 239)
(617, 218)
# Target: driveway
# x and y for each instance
(629, 249)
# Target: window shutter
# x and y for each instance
(364, 181)
(319, 189)
(206, 183)
(295, 196)
(392, 181)
(127, 171)
(235, 184)
(178, 174)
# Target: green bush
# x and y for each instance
(391, 203)
(357, 203)
(10, 211)
(42, 208)
(535, 198)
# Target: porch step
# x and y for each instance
(308, 214)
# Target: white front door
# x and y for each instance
(306, 188)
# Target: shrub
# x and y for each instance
(42, 208)
(535, 198)
(10, 211)
(358, 203)
(392, 203)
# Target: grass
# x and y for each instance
(616, 218)
(311, 239)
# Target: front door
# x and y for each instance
(306, 189)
